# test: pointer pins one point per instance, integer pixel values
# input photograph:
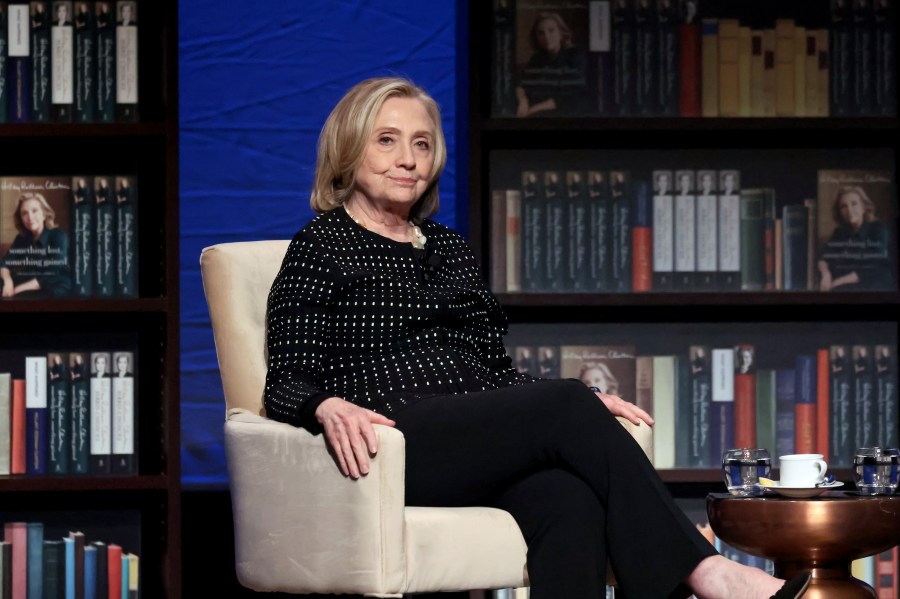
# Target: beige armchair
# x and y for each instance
(299, 525)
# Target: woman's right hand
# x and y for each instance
(350, 434)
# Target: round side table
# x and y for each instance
(821, 535)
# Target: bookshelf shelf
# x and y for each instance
(142, 319)
(693, 125)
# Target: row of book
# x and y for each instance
(667, 58)
(63, 568)
(63, 236)
(63, 61)
(69, 414)
(587, 231)
(710, 399)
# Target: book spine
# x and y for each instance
(83, 259)
(4, 52)
(78, 566)
(5, 423)
(766, 409)
(684, 412)
(769, 242)
(805, 418)
(620, 189)
(59, 439)
(757, 74)
(745, 51)
(513, 241)
(664, 411)
(685, 231)
(114, 570)
(885, 42)
(17, 434)
(80, 426)
(647, 59)
(90, 572)
(722, 407)
(104, 238)
(642, 238)
(811, 73)
(600, 55)
(126, 237)
(729, 71)
(498, 241)
(824, 77)
(887, 401)
(134, 580)
(667, 70)
(842, 418)
(102, 571)
(6, 550)
(864, 399)
(600, 240)
(785, 102)
(17, 533)
(663, 232)
(700, 401)
(822, 407)
(785, 394)
(19, 64)
(745, 395)
(106, 62)
(770, 78)
(554, 214)
(101, 414)
(40, 62)
(85, 110)
(123, 587)
(709, 57)
(794, 231)
(689, 69)
(864, 59)
(533, 232)
(127, 62)
(503, 63)
(35, 552)
(577, 231)
(36, 414)
(624, 36)
(69, 567)
(800, 71)
(123, 415)
(707, 232)
(62, 64)
(751, 240)
(841, 60)
(730, 251)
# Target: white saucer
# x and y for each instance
(802, 492)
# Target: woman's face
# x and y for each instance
(396, 168)
(852, 209)
(595, 377)
(549, 36)
(122, 364)
(32, 216)
(100, 363)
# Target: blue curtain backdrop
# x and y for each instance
(257, 80)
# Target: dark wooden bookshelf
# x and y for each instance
(147, 149)
(626, 142)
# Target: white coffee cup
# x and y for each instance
(802, 470)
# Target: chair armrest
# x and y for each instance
(303, 527)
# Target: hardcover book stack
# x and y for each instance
(709, 398)
(669, 58)
(692, 230)
(68, 413)
(65, 62)
(68, 236)
(36, 563)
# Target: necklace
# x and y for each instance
(419, 238)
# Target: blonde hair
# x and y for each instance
(49, 213)
(342, 144)
(868, 205)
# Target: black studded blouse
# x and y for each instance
(356, 315)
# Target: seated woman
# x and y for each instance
(381, 316)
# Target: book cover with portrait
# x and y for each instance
(611, 368)
(551, 58)
(35, 237)
(856, 216)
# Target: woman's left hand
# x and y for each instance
(625, 409)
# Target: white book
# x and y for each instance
(723, 374)
(35, 382)
(663, 230)
(62, 59)
(126, 53)
(5, 422)
(729, 249)
(101, 413)
(19, 30)
(664, 408)
(123, 413)
(707, 229)
(685, 229)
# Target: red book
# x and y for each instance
(17, 434)
(689, 69)
(17, 534)
(823, 368)
(745, 395)
(114, 569)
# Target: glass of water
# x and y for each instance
(743, 468)
(875, 470)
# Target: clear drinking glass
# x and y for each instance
(743, 468)
(875, 470)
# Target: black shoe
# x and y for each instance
(794, 588)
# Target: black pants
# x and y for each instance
(576, 482)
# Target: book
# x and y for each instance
(805, 417)
(35, 242)
(513, 240)
(105, 24)
(525, 359)
(785, 394)
(62, 63)
(864, 400)
(766, 416)
(757, 74)
(36, 414)
(641, 237)
(664, 411)
(105, 240)
(700, 400)
(18, 66)
(729, 71)
(80, 424)
(800, 70)
(685, 231)
(548, 362)
(6, 569)
(17, 434)
(83, 254)
(709, 67)
(577, 231)
(555, 214)
(123, 414)
(667, 69)
(729, 219)
(4, 51)
(533, 231)
(102, 570)
(663, 231)
(770, 79)
(127, 61)
(503, 45)
(101, 413)
(841, 54)
(621, 194)
(745, 395)
(624, 39)
(823, 408)
(601, 67)
(856, 230)
(752, 238)
(887, 565)
(863, 58)
(885, 40)
(53, 569)
(85, 100)
(600, 239)
(498, 240)
(722, 407)
(647, 58)
(60, 414)
(126, 237)
(794, 232)
(842, 418)
(707, 231)
(643, 385)
(610, 368)
(35, 559)
(5, 423)
(90, 572)
(689, 60)
(114, 569)
(40, 61)
(17, 533)
(785, 99)
(77, 563)
(886, 395)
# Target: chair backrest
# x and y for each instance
(236, 280)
